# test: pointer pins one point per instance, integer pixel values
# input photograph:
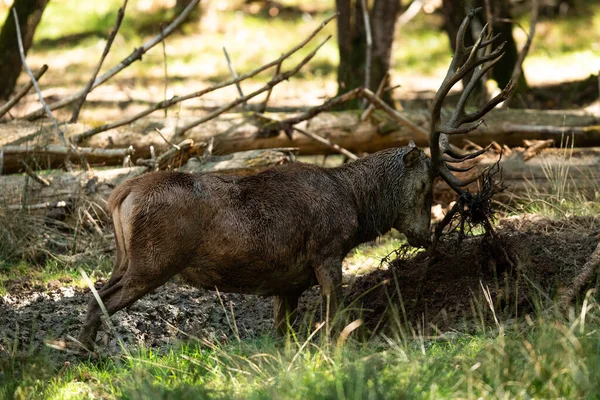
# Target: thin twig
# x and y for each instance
(377, 102)
(368, 56)
(411, 12)
(518, 70)
(165, 139)
(365, 115)
(130, 59)
(22, 92)
(270, 84)
(63, 150)
(233, 73)
(41, 206)
(164, 48)
(1, 160)
(585, 275)
(154, 162)
(61, 135)
(92, 222)
(178, 99)
(318, 138)
(33, 175)
(263, 106)
(286, 125)
(109, 42)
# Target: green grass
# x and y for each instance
(564, 198)
(16, 275)
(550, 357)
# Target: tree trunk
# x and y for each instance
(352, 43)
(30, 13)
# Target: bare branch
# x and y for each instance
(60, 133)
(263, 107)
(165, 65)
(233, 73)
(155, 162)
(22, 92)
(365, 115)
(377, 102)
(33, 175)
(41, 206)
(413, 9)
(177, 99)
(240, 100)
(63, 150)
(165, 139)
(585, 276)
(318, 138)
(368, 56)
(109, 42)
(286, 125)
(130, 59)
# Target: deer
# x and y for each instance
(283, 230)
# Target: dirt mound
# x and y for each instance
(531, 259)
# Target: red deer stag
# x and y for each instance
(283, 230)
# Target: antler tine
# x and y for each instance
(456, 158)
(457, 118)
(459, 169)
(502, 96)
(455, 65)
(455, 183)
(485, 43)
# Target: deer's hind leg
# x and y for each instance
(284, 312)
(135, 281)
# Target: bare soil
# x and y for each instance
(530, 260)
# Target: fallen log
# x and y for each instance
(20, 191)
(561, 173)
(239, 132)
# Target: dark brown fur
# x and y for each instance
(275, 233)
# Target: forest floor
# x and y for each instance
(481, 321)
(475, 296)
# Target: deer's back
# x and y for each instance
(257, 234)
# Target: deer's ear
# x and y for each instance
(411, 158)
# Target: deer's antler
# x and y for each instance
(465, 61)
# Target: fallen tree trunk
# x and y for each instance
(562, 173)
(69, 187)
(239, 132)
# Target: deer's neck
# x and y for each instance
(372, 183)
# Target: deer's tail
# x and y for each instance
(120, 208)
